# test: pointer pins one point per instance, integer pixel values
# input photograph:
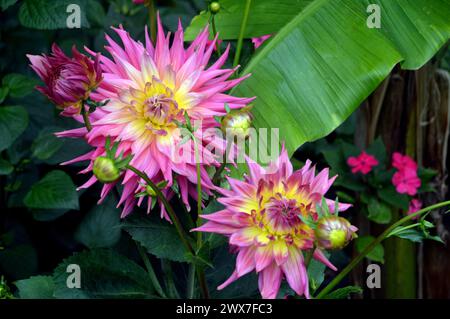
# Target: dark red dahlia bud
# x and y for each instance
(68, 80)
(334, 232)
(105, 169)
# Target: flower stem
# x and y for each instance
(372, 245)
(167, 206)
(199, 189)
(241, 33)
(150, 271)
(214, 29)
(173, 217)
(85, 115)
(150, 4)
(191, 282)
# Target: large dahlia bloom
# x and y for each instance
(68, 80)
(149, 91)
(264, 219)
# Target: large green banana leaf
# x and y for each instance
(320, 66)
(267, 17)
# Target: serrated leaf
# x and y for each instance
(390, 196)
(13, 122)
(379, 212)
(50, 14)
(55, 191)
(104, 274)
(38, 287)
(101, 226)
(157, 236)
(6, 167)
(19, 85)
(46, 144)
(377, 253)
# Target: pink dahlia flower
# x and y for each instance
(406, 182)
(401, 162)
(149, 90)
(67, 80)
(362, 163)
(257, 42)
(262, 220)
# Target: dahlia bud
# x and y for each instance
(334, 232)
(237, 122)
(68, 81)
(105, 169)
(214, 7)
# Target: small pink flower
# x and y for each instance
(401, 162)
(414, 206)
(362, 163)
(138, 1)
(260, 40)
(67, 80)
(406, 181)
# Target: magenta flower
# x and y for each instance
(406, 182)
(262, 220)
(218, 42)
(257, 42)
(149, 90)
(401, 162)
(68, 81)
(362, 163)
(414, 206)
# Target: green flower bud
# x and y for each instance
(214, 7)
(105, 169)
(334, 232)
(237, 122)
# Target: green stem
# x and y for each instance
(150, 271)
(241, 33)
(372, 245)
(199, 189)
(214, 29)
(150, 4)
(191, 282)
(167, 206)
(85, 115)
(174, 218)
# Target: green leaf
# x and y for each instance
(38, 287)
(5, 4)
(390, 196)
(377, 253)
(410, 234)
(19, 85)
(19, 261)
(158, 236)
(378, 150)
(55, 191)
(101, 226)
(266, 17)
(5, 167)
(316, 273)
(46, 144)
(312, 75)
(13, 122)
(104, 274)
(343, 293)
(379, 212)
(3, 93)
(50, 14)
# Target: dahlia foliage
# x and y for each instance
(134, 105)
(266, 217)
